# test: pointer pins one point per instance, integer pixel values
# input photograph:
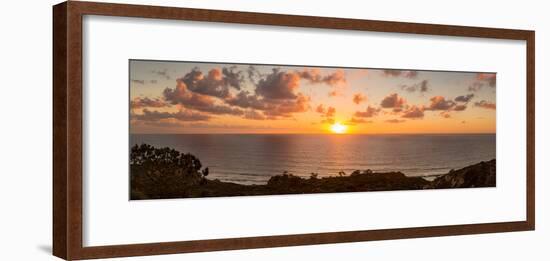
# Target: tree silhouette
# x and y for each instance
(163, 172)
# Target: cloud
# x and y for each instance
(414, 112)
(400, 73)
(488, 78)
(286, 108)
(330, 112)
(334, 93)
(445, 115)
(464, 98)
(272, 107)
(355, 121)
(327, 113)
(314, 76)
(138, 81)
(246, 100)
(336, 78)
(486, 104)
(216, 83)
(140, 102)
(421, 87)
(460, 107)
(255, 115)
(328, 121)
(182, 96)
(475, 86)
(142, 82)
(275, 94)
(439, 103)
(163, 73)
(395, 121)
(320, 109)
(424, 86)
(220, 109)
(483, 79)
(283, 84)
(393, 101)
(278, 85)
(253, 73)
(368, 113)
(181, 115)
(233, 78)
(167, 123)
(359, 98)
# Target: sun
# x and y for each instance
(338, 128)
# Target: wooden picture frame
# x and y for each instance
(68, 145)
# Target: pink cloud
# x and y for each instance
(359, 98)
(393, 101)
(368, 113)
(486, 104)
(414, 112)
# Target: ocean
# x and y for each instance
(254, 158)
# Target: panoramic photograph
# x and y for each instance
(204, 129)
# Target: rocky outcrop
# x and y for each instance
(482, 174)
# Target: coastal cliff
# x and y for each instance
(166, 173)
(482, 174)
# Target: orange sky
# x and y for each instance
(184, 97)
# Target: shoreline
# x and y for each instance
(428, 177)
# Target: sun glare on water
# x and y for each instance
(338, 128)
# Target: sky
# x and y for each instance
(193, 97)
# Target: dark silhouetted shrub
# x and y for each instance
(162, 173)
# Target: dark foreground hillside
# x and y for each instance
(167, 173)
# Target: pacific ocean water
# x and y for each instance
(254, 158)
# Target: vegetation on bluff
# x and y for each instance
(167, 173)
(163, 173)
